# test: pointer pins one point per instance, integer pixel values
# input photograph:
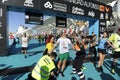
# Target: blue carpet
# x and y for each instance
(16, 59)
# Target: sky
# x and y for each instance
(15, 19)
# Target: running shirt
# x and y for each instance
(102, 43)
(80, 51)
(63, 45)
(24, 41)
(115, 39)
(49, 46)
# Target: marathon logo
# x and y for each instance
(104, 9)
(91, 13)
(76, 10)
(56, 6)
(60, 7)
(102, 23)
(107, 9)
(101, 16)
(84, 3)
(28, 3)
(48, 5)
(106, 16)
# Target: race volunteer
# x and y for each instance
(43, 70)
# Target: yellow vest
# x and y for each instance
(43, 68)
(115, 39)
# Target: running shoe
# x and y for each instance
(62, 74)
(101, 68)
(113, 71)
(83, 68)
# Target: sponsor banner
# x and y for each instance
(61, 22)
(94, 5)
(85, 8)
(84, 3)
(105, 12)
(68, 8)
(33, 18)
(82, 11)
(54, 6)
(102, 24)
(104, 16)
(91, 4)
(22, 3)
(77, 10)
(92, 14)
(105, 8)
(93, 8)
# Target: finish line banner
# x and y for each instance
(85, 8)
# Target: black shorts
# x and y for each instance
(103, 51)
(24, 48)
(116, 54)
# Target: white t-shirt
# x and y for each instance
(24, 41)
(63, 45)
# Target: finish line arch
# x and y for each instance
(95, 12)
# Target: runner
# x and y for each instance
(79, 59)
(63, 52)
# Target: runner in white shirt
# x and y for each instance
(63, 52)
(63, 45)
(24, 44)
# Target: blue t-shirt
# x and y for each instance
(102, 43)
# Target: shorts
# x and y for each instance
(103, 51)
(63, 56)
(116, 54)
(24, 48)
